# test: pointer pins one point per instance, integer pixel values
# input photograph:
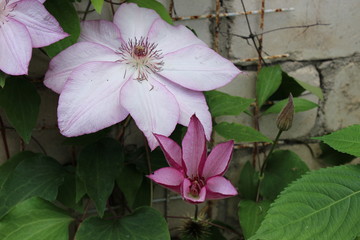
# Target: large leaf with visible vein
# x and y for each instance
(144, 223)
(322, 205)
(30, 176)
(346, 140)
(35, 219)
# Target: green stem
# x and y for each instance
(263, 167)
(196, 212)
(149, 169)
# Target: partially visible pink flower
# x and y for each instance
(141, 65)
(24, 24)
(193, 174)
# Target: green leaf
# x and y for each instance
(222, 104)
(248, 182)
(129, 181)
(300, 105)
(322, 205)
(38, 176)
(240, 133)
(313, 89)
(269, 80)
(67, 190)
(282, 168)
(98, 166)
(143, 196)
(346, 140)
(98, 4)
(144, 223)
(21, 103)
(3, 77)
(288, 85)
(251, 214)
(87, 138)
(66, 15)
(35, 219)
(155, 5)
(333, 157)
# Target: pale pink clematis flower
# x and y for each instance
(24, 24)
(193, 174)
(141, 65)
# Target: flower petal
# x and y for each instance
(65, 62)
(171, 38)
(90, 99)
(186, 193)
(171, 150)
(194, 148)
(43, 28)
(15, 48)
(218, 160)
(190, 103)
(152, 106)
(219, 187)
(100, 31)
(198, 68)
(133, 21)
(168, 177)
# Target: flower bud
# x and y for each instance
(285, 118)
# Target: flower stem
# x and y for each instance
(196, 212)
(3, 135)
(150, 170)
(263, 167)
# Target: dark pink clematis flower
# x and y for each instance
(193, 174)
(24, 24)
(141, 65)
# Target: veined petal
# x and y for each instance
(102, 32)
(198, 68)
(194, 148)
(43, 28)
(168, 177)
(172, 38)
(133, 21)
(152, 106)
(190, 103)
(15, 48)
(186, 193)
(219, 187)
(218, 160)
(90, 99)
(171, 150)
(65, 62)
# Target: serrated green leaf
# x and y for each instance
(144, 223)
(3, 77)
(322, 205)
(332, 157)
(251, 214)
(155, 5)
(283, 167)
(98, 166)
(300, 105)
(21, 103)
(346, 140)
(38, 176)
(240, 133)
(313, 89)
(248, 182)
(222, 104)
(66, 15)
(35, 219)
(269, 80)
(98, 4)
(129, 181)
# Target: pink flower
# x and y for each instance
(141, 65)
(24, 24)
(192, 174)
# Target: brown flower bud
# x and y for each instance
(285, 118)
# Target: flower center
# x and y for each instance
(5, 11)
(142, 56)
(197, 183)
